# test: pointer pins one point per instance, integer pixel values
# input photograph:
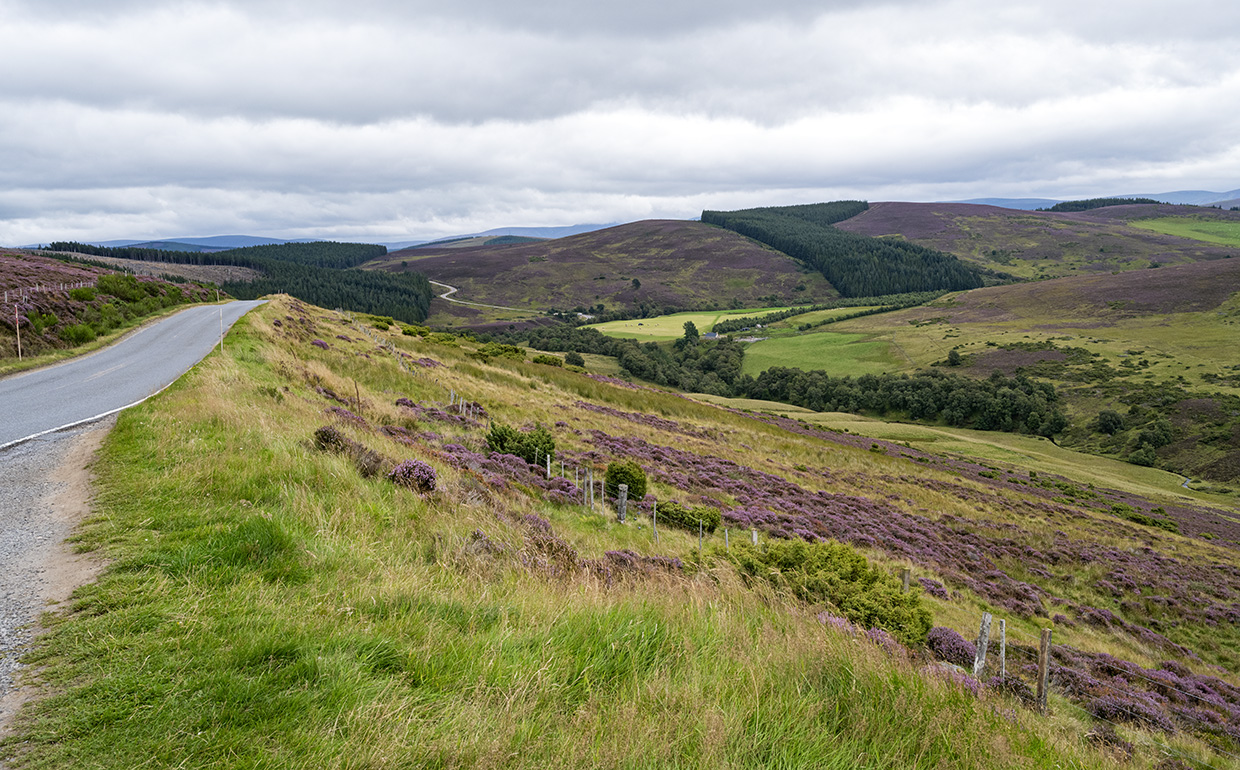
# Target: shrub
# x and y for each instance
(330, 438)
(626, 472)
(77, 334)
(123, 287)
(499, 350)
(41, 321)
(533, 447)
(950, 646)
(674, 514)
(82, 294)
(573, 358)
(548, 360)
(838, 574)
(1110, 422)
(415, 475)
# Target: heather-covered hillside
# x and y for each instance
(1038, 244)
(655, 263)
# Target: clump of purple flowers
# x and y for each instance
(415, 475)
(319, 344)
(950, 646)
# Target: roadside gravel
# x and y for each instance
(44, 494)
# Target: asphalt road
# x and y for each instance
(121, 375)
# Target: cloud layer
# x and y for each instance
(397, 120)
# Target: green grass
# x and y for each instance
(836, 353)
(670, 327)
(1226, 233)
(267, 606)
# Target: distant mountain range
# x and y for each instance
(1180, 197)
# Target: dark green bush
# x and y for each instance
(573, 358)
(82, 294)
(626, 472)
(834, 573)
(533, 447)
(548, 360)
(123, 287)
(77, 334)
(673, 514)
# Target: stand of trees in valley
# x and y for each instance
(1014, 404)
(321, 272)
(856, 265)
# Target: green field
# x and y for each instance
(836, 353)
(670, 327)
(1210, 231)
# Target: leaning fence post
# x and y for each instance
(1002, 648)
(904, 575)
(1044, 667)
(622, 500)
(983, 638)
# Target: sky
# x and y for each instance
(390, 120)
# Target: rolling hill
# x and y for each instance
(1037, 244)
(657, 263)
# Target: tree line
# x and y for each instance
(1017, 404)
(856, 265)
(1095, 203)
(320, 272)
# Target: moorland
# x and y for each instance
(347, 541)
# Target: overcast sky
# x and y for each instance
(400, 119)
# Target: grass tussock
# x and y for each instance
(268, 605)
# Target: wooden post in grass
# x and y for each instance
(18, 327)
(548, 465)
(1002, 648)
(753, 535)
(699, 537)
(726, 545)
(1044, 668)
(904, 575)
(622, 500)
(654, 518)
(983, 639)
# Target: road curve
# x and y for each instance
(452, 290)
(84, 389)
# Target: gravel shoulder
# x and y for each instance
(45, 494)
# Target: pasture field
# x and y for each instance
(670, 327)
(837, 353)
(1226, 233)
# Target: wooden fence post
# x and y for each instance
(983, 639)
(904, 576)
(622, 500)
(654, 517)
(1044, 668)
(1002, 648)
(753, 535)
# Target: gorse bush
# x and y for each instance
(675, 514)
(837, 574)
(625, 472)
(534, 447)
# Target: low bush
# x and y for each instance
(626, 472)
(548, 360)
(948, 645)
(675, 514)
(82, 294)
(534, 447)
(415, 475)
(838, 575)
(77, 334)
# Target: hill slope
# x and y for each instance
(1037, 244)
(274, 599)
(676, 264)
